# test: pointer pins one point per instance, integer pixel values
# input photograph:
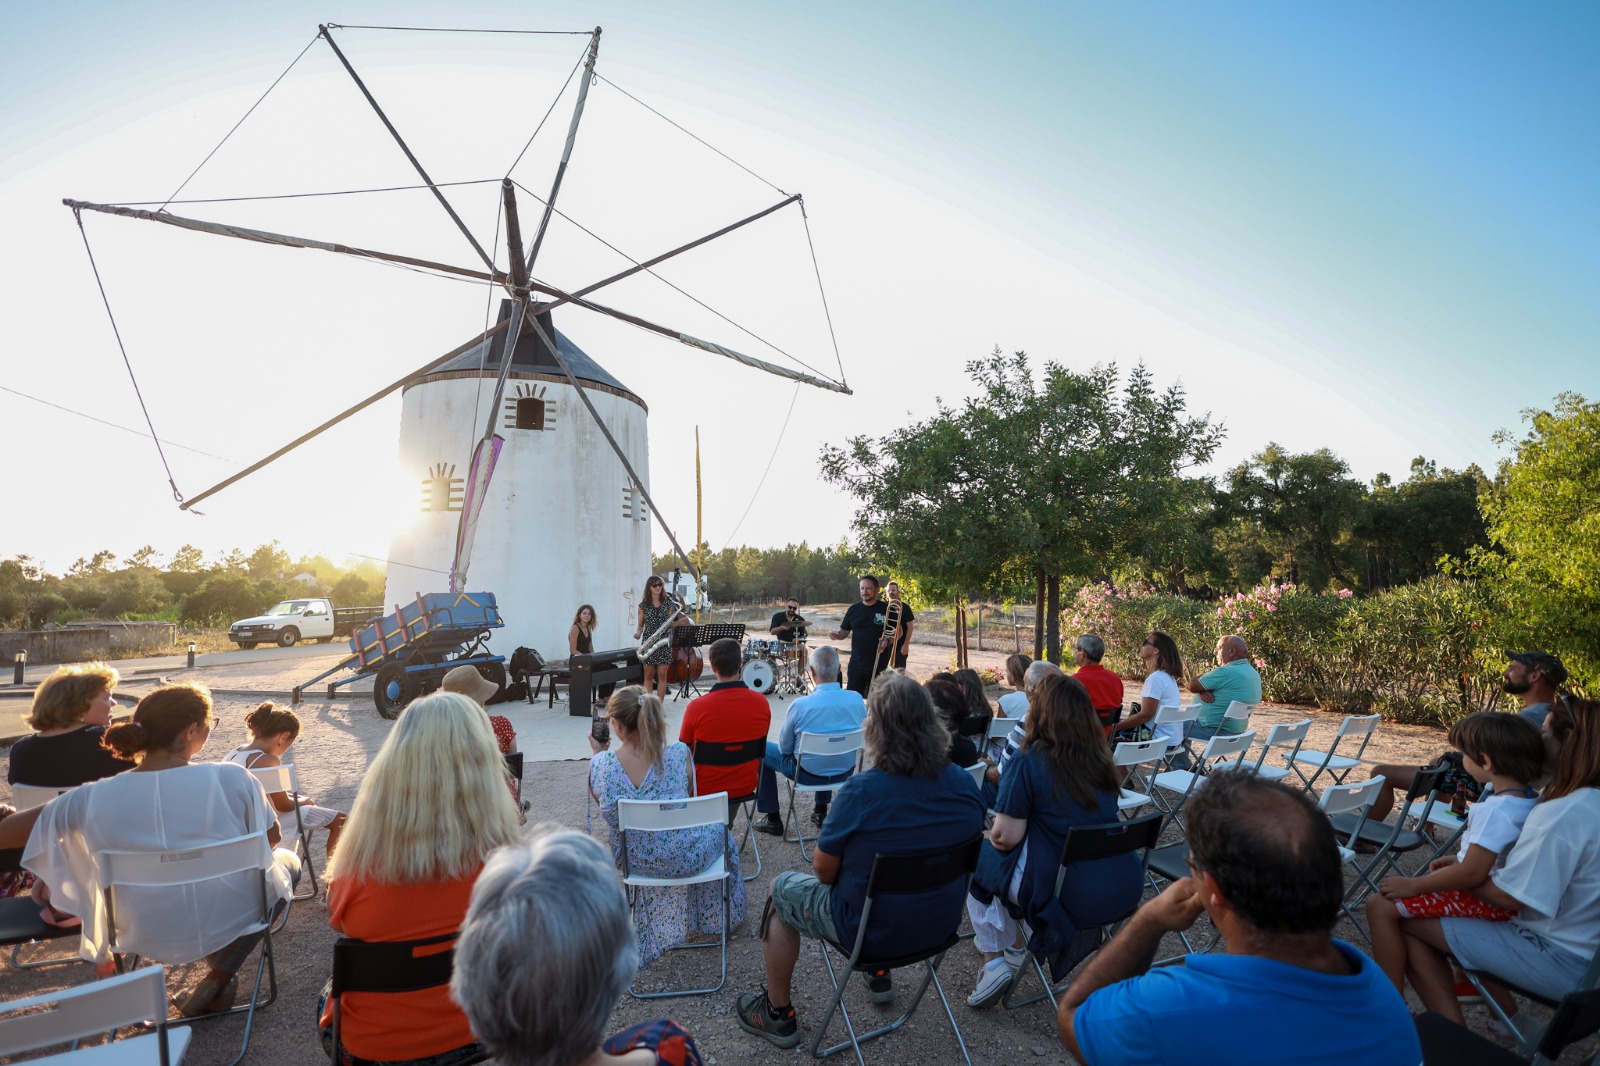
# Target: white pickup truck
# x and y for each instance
(287, 623)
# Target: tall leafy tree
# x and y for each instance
(1300, 510)
(1409, 529)
(1060, 475)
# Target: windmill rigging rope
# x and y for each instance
(464, 29)
(236, 125)
(301, 195)
(775, 446)
(78, 215)
(548, 111)
(827, 314)
(489, 288)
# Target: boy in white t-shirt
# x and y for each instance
(1502, 750)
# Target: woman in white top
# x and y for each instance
(166, 803)
(1163, 670)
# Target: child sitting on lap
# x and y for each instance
(1502, 750)
(272, 730)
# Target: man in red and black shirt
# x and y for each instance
(1105, 687)
(730, 712)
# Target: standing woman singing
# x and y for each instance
(654, 612)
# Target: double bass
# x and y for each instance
(686, 665)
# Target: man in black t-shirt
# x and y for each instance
(902, 637)
(864, 622)
(789, 627)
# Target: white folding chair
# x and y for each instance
(27, 797)
(817, 744)
(1238, 711)
(1284, 735)
(661, 816)
(282, 778)
(104, 1006)
(1354, 802)
(1183, 782)
(1132, 754)
(1389, 839)
(157, 869)
(978, 770)
(1331, 762)
(728, 754)
(1181, 717)
(999, 729)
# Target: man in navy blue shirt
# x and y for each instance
(1263, 864)
(911, 800)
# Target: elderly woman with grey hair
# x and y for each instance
(548, 1006)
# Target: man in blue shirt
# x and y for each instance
(1264, 866)
(829, 709)
(1235, 678)
(911, 800)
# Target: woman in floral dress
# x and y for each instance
(654, 611)
(645, 767)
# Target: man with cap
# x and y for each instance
(1534, 677)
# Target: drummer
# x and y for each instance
(790, 630)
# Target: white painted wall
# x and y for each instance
(558, 528)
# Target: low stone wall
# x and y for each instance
(85, 643)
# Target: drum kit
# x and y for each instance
(774, 666)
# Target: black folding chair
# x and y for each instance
(894, 875)
(1444, 1043)
(20, 923)
(1089, 843)
(1532, 1038)
(388, 967)
(514, 768)
(741, 753)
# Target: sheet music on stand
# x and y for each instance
(714, 631)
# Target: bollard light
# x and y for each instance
(21, 664)
(191, 655)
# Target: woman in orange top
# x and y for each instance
(433, 805)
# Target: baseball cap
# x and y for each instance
(1542, 661)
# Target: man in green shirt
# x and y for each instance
(1233, 679)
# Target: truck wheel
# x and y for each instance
(392, 689)
(494, 672)
(247, 644)
(287, 638)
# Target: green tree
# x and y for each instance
(1065, 476)
(1543, 516)
(1411, 528)
(186, 560)
(224, 598)
(1299, 509)
(137, 591)
(356, 590)
(267, 561)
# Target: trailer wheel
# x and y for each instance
(392, 689)
(287, 638)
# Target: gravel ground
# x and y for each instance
(339, 739)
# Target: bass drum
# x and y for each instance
(759, 675)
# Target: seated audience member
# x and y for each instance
(71, 711)
(1163, 668)
(1104, 686)
(1535, 677)
(1002, 752)
(549, 1007)
(1062, 777)
(1265, 867)
(466, 681)
(1551, 881)
(730, 712)
(830, 708)
(951, 704)
(980, 712)
(1014, 704)
(431, 808)
(911, 799)
(273, 730)
(1234, 679)
(646, 767)
(165, 803)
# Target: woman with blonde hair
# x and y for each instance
(71, 711)
(646, 767)
(432, 806)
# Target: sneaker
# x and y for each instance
(1467, 994)
(818, 814)
(880, 985)
(755, 1015)
(771, 824)
(995, 980)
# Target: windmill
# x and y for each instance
(551, 507)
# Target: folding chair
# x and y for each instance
(978, 770)
(1184, 782)
(104, 1006)
(514, 771)
(1533, 1038)
(1238, 711)
(156, 869)
(999, 729)
(660, 816)
(384, 967)
(27, 797)
(1444, 1043)
(1134, 754)
(282, 778)
(1331, 762)
(1353, 803)
(1290, 735)
(1090, 843)
(20, 923)
(741, 753)
(896, 875)
(1182, 717)
(1392, 839)
(815, 744)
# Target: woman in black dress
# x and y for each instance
(580, 641)
(654, 611)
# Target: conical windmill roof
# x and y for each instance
(531, 355)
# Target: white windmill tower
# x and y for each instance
(559, 476)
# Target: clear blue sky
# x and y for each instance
(1366, 226)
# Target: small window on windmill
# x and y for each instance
(530, 412)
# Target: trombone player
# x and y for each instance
(899, 609)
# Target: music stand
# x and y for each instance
(699, 637)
